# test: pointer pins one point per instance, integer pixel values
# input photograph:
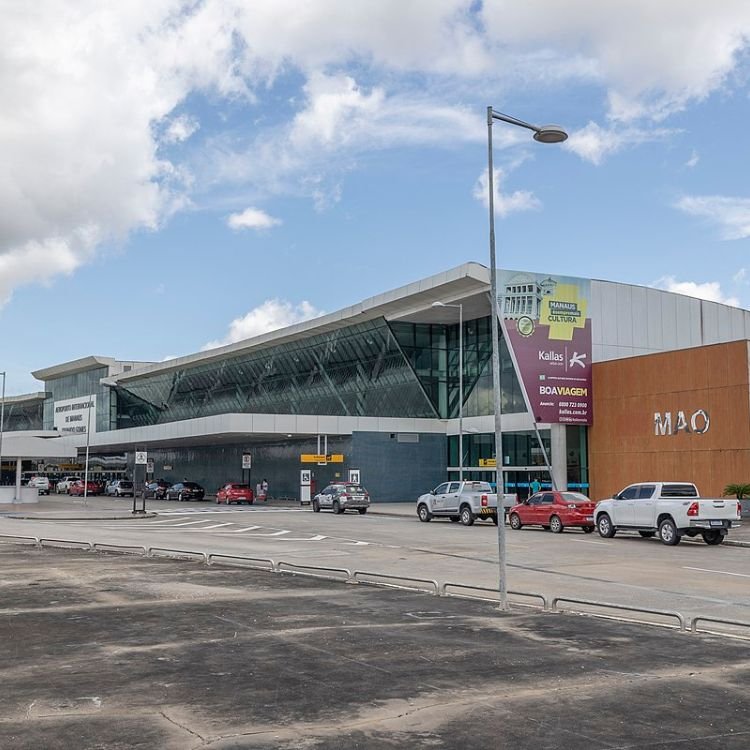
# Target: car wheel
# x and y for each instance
(647, 534)
(588, 529)
(337, 507)
(316, 506)
(494, 519)
(515, 522)
(556, 525)
(605, 527)
(179, 497)
(424, 513)
(467, 517)
(713, 536)
(362, 511)
(668, 533)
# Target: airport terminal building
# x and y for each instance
(623, 384)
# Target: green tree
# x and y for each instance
(740, 491)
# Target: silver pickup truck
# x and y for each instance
(462, 501)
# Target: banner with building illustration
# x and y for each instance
(549, 328)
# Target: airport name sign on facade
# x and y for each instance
(321, 458)
(697, 423)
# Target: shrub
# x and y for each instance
(740, 491)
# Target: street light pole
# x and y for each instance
(460, 384)
(544, 134)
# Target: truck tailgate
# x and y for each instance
(717, 509)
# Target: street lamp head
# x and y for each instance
(550, 134)
(438, 304)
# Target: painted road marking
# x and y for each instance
(591, 541)
(206, 528)
(247, 528)
(721, 572)
(186, 523)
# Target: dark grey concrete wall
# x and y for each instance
(396, 471)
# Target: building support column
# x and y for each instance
(19, 464)
(559, 458)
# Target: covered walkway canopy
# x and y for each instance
(30, 444)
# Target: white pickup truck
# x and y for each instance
(462, 501)
(670, 509)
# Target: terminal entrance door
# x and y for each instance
(520, 481)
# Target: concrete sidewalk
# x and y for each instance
(65, 508)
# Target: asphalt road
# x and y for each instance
(692, 578)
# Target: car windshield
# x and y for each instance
(126, 484)
(574, 497)
(239, 487)
(191, 485)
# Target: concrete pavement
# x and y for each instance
(108, 651)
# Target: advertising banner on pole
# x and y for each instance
(549, 328)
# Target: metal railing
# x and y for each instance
(448, 584)
(389, 580)
(624, 607)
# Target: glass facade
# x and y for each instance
(371, 369)
(359, 371)
(24, 415)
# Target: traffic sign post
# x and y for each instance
(247, 463)
(141, 459)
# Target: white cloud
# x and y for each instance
(505, 203)
(594, 143)
(731, 215)
(252, 218)
(653, 57)
(708, 290)
(180, 129)
(740, 277)
(693, 160)
(269, 316)
(91, 91)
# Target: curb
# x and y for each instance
(78, 518)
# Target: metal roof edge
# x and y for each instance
(367, 309)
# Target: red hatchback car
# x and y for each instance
(77, 488)
(235, 493)
(554, 511)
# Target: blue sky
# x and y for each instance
(184, 174)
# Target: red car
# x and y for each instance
(77, 488)
(554, 511)
(235, 493)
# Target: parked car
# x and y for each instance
(464, 501)
(235, 493)
(554, 511)
(185, 491)
(42, 484)
(120, 488)
(64, 484)
(157, 490)
(341, 496)
(76, 489)
(671, 510)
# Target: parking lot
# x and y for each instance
(108, 651)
